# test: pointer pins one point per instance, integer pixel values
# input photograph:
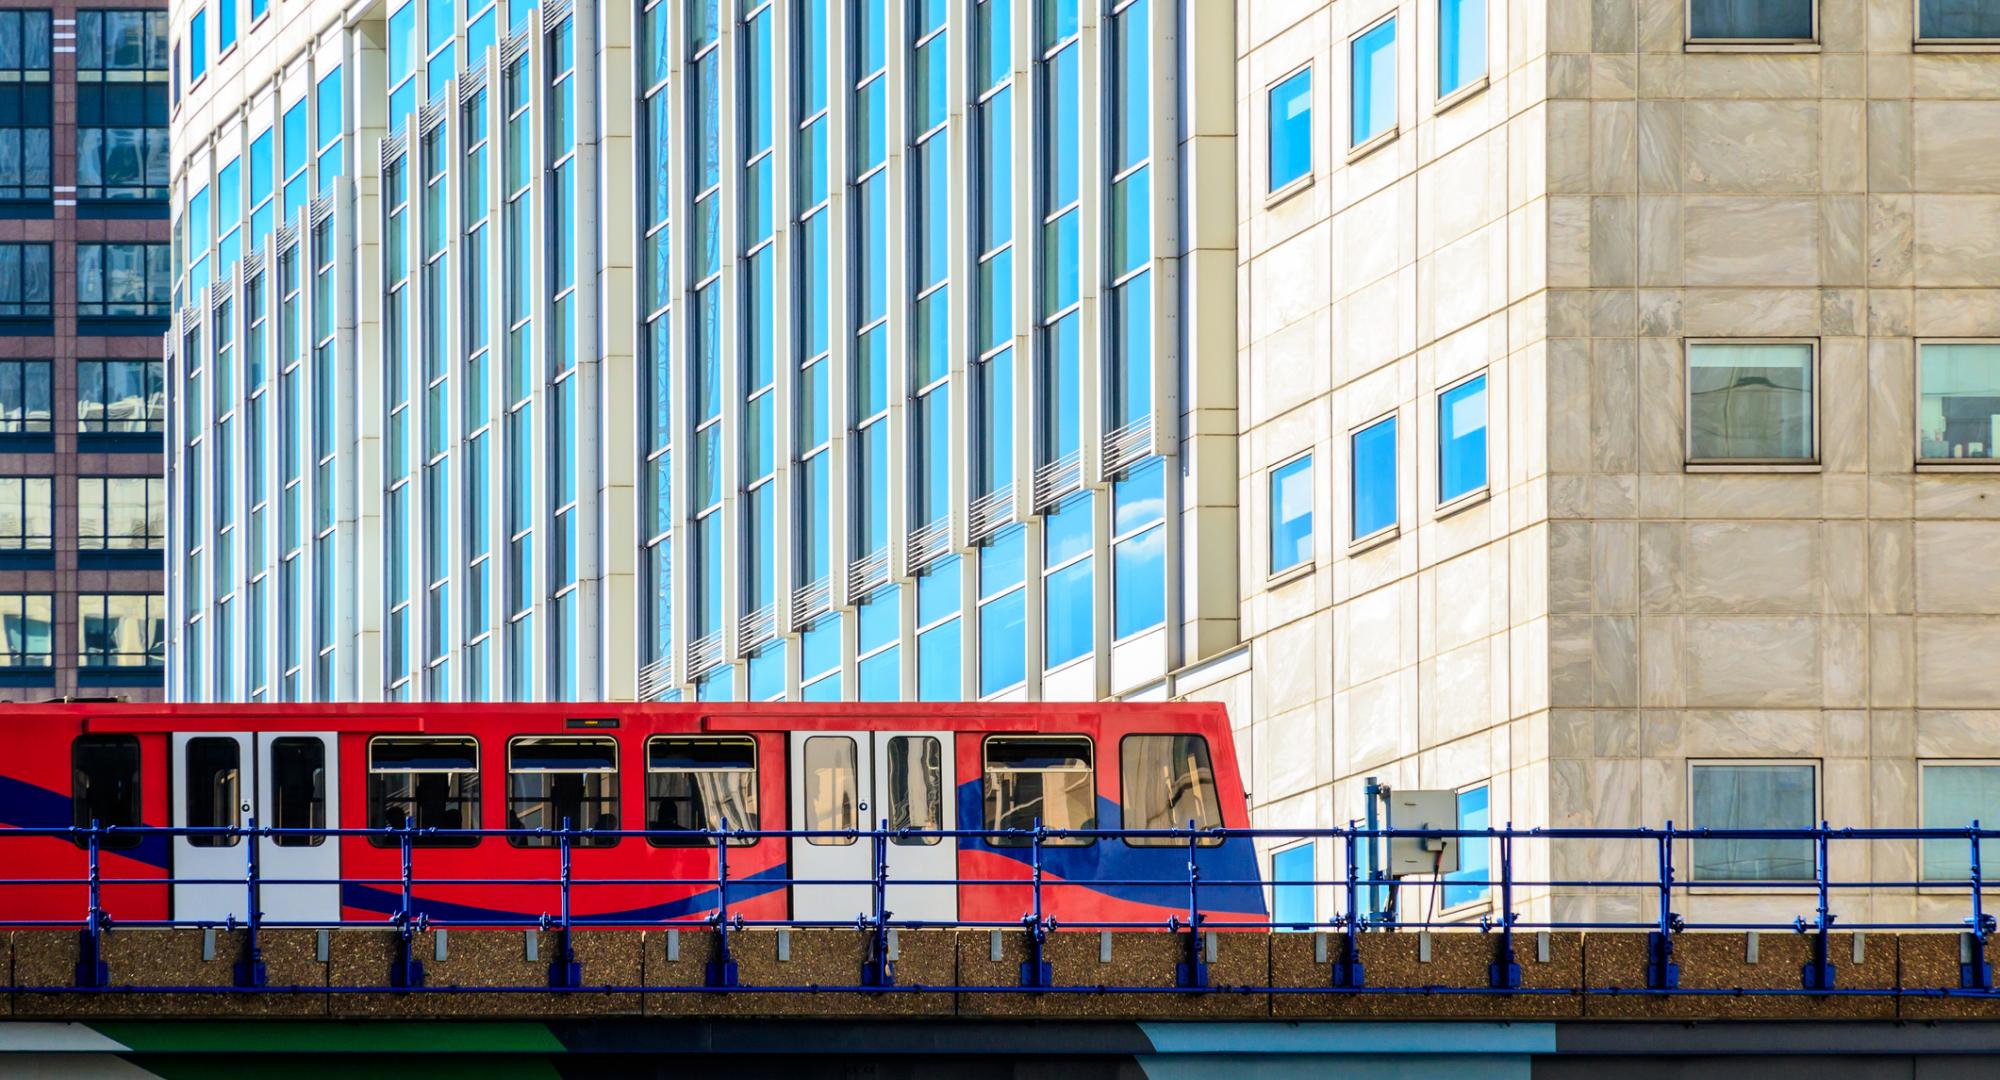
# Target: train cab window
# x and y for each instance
(298, 789)
(1165, 782)
(1046, 778)
(104, 786)
(555, 780)
(424, 783)
(916, 787)
(213, 771)
(697, 784)
(830, 779)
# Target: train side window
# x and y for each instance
(830, 778)
(1046, 778)
(214, 772)
(916, 787)
(1165, 782)
(552, 780)
(424, 783)
(104, 786)
(298, 789)
(697, 784)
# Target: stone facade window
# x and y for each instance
(1291, 130)
(1958, 21)
(1753, 795)
(1292, 514)
(1958, 401)
(1752, 21)
(1954, 795)
(1751, 403)
(1373, 85)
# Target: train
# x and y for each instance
(410, 781)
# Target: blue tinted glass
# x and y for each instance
(1000, 562)
(1058, 20)
(1374, 87)
(1958, 19)
(1139, 498)
(1751, 19)
(1002, 643)
(329, 107)
(871, 35)
(996, 422)
(1291, 129)
(938, 664)
(197, 46)
(879, 678)
(1067, 532)
(1461, 43)
(1291, 514)
(1061, 114)
(1069, 604)
(995, 178)
(439, 22)
(717, 685)
(478, 37)
(1292, 904)
(1472, 854)
(1139, 568)
(819, 647)
(1063, 385)
(1462, 439)
(937, 591)
(995, 53)
(767, 672)
(827, 689)
(402, 43)
(880, 616)
(1374, 478)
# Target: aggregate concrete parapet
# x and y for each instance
(1932, 961)
(472, 960)
(1239, 972)
(168, 958)
(797, 958)
(1730, 970)
(1448, 962)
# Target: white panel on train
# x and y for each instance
(225, 780)
(298, 788)
(860, 780)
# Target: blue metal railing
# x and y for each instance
(1361, 913)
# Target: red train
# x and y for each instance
(622, 766)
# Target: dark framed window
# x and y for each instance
(558, 780)
(423, 783)
(1048, 779)
(122, 279)
(700, 783)
(121, 513)
(121, 141)
(1167, 781)
(1752, 21)
(104, 786)
(212, 775)
(1958, 22)
(122, 630)
(27, 622)
(298, 788)
(117, 397)
(26, 280)
(27, 513)
(26, 105)
(121, 45)
(25, 397)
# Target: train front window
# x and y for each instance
(423, 783)
(214, 772)
(1045, 778)
(1166, 782)
(916, 787)
(698, 784)
(553, 782)
(830, 779)
(104, 786)
(298, 789)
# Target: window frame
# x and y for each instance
(985, 752)
(1920, 43)
(1774, 887)
(615, 787)
(89, 659)
(138, 799)
(1275, 193)
(478, 772)
(1358, 149)
(1484, 490)
(1694, 464)
(1949, 885)
(1691, 43)
(1930, 464)
(1358, 542)
(1446, 99)
(1156, 843)
(756, 787)
(1301, 567)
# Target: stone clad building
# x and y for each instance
(1731, 274)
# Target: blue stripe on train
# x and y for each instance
(30, 806)
(1234, 859)
(386, 902)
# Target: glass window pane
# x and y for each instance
(1958, 19)
(1291, 129)
(1958, 409)
(1039, 780)
(1474, 858)
(212, 772)
(829, 774)
(1374, 478)
(1002, 643)
(1462, 439)
(1374, 88)
(1753, 797)
(1292, 905)
(1956, 796)
(1461, 43)
(1291, 514)
(915, 787)
(1750, 402)
(938, 652)
(1070, 606)
(1751, 20)
(1139, 568)
(1166, 782)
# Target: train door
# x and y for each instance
(857, 780)
(221, 780)
(212, 781)
(297, 789)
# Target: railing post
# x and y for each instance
(1192, 972)
(250, 967)
(92, 972)
(1974, 973)
(1035, 971)
(879, 969)
(1505, 971)
(1819, 972)
(1661, 971)
(721, 971)
(1347, 971)
(565, 971)
(406, 972)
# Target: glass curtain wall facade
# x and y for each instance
(693, 361)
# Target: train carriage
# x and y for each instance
(675, 772)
